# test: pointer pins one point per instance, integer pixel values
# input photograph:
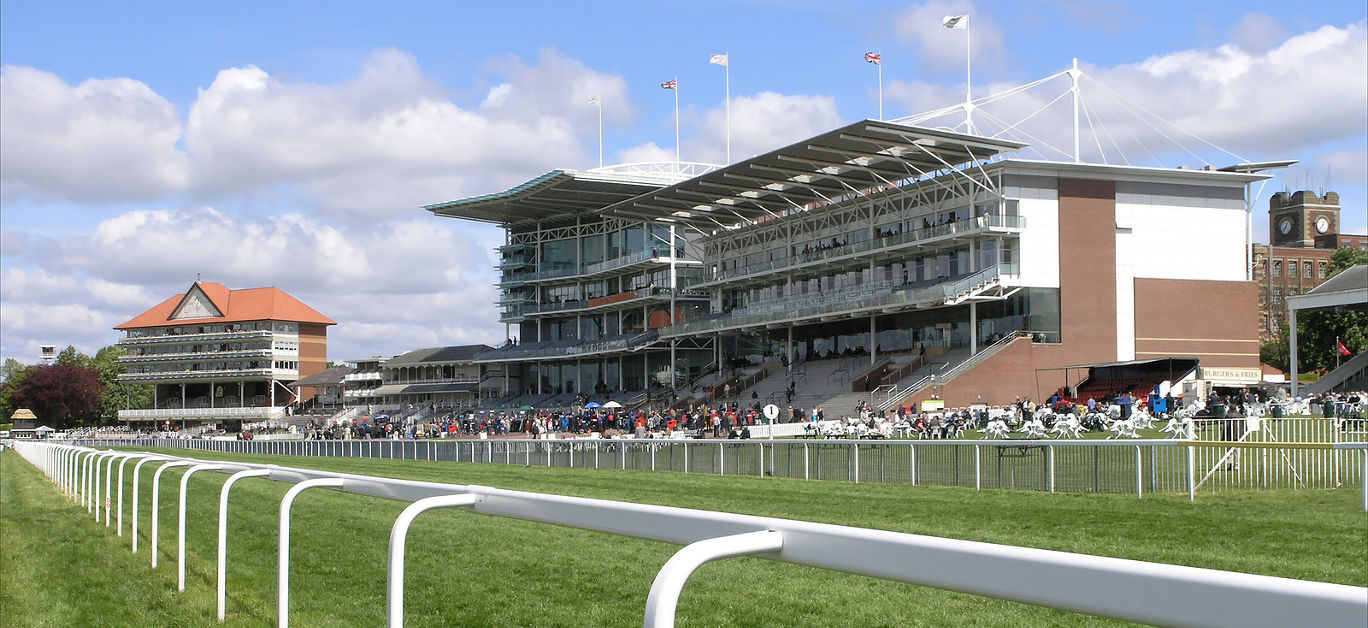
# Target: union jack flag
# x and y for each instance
(671, 84)
(875, 58)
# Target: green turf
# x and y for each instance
(60, 568)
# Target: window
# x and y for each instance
(1306, 270)
(1277, 268)
(1322, 270)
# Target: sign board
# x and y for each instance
(771, 412)
(1232, 375)
(932, 404)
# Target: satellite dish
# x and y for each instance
(771, 412)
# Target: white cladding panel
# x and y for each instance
(1183, 237)
(1187, 236)
(1039, 255)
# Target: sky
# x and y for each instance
(292, 144)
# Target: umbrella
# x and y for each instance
(591, 404)
(380, 416)
(612, 404)
(525, 408)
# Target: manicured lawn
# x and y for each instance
(58, 567)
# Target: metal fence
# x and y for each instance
(1111, 587)
(1134, 467)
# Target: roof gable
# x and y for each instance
(251, 304)
(197, 304)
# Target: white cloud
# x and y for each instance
(385, 142)
(1307, 90)
(421, 279)
(102, 140)
(939, 48)
(759, 123)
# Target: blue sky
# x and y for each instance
(317, 128)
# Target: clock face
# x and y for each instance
(1285, 226)
(1322, 225)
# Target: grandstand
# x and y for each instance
(929, 261)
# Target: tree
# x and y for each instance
(12, 375)
(115, 395)
(71, 357)
(1319, 331)
(62, 395)
(1345, 257)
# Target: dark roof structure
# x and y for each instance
(326, 377)
(437, 355)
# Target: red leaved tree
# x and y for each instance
(61, 395)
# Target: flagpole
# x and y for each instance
(727, 69)
(676, 94)
(599, 101)
(880, 64)
(1337, 351)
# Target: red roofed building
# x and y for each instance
(215, 354)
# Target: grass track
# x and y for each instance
(58, 567)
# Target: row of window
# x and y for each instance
(279, 327)
(1306, 269)
(175, 349)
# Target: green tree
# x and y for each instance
(11, 376)
(1345, 257)
(115, 395)
(71, 357)
(1318, 330)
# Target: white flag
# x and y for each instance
(718, 59)
(593, 100)
(956, 21)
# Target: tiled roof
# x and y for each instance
(251, 304)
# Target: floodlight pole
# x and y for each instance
(968, 80)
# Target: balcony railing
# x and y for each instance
(868, 297)
(198, 375)
(262, 412)
(194, 356)
(618, 299)
(221, 335)
(363, 376)
(926, 235)
(565, 271)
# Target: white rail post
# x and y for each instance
(721, 460)
(1049, 452)
(137, 468)
(109, 484)
(123, 463)
(223, 534)
(180, 521)
(855, 468)
(283, 564)
(911, 463)
(1139, 476)
(664, 596)
(978, 470)
(398, 536)
(805, 462)
(1191, 471)
(156, 501)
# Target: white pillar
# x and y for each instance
(1292, 347)
(973, 327)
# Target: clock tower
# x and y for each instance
(1296, 219)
